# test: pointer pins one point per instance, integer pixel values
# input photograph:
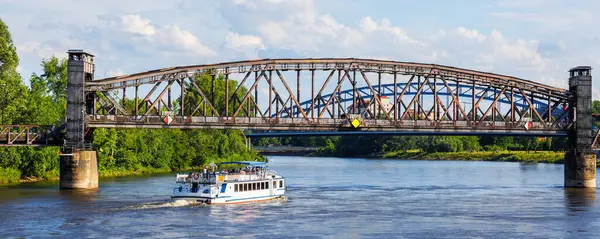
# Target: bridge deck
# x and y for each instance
(301, 124)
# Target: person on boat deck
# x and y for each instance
(205, 172)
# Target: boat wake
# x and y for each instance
(156, 205)
(281, 199)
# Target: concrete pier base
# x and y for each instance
(580, 170)
(79, 170)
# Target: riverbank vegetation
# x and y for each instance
(120, 151)
(510, 149)
(501, 156)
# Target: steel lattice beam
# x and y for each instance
(434, 97)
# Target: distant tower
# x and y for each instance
(81, 69)
(580, 161)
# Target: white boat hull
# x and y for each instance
(230, 192)
(208, 200)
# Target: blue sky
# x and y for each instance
(535, 39)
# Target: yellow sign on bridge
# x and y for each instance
(355, 123)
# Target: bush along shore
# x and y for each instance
(500, 156)
(473, 148)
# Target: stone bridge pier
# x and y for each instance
(580, 160)
(78, 163)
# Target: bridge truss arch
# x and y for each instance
(325, 94)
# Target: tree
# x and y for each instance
(13, 92)
(596, 107)
(46, 104)
(55, 76)
(204, 82)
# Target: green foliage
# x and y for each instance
(41, 162)
(9, 175)
(596, 107)
(507, 156)
(13, 93)
(47, 95)
(167, 149)
(430, 147)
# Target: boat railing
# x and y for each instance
(213, 177)
(197, 177)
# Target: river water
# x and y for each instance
(327, 198)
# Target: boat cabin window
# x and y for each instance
(194, 187)
(242, 187)
(281, 184)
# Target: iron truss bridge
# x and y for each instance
(329, 95)
(30, 135)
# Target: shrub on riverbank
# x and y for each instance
(9, 175)
(28, 162)
(506, 156)
(134, 150)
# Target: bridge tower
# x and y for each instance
(78, 164)
(580, 161)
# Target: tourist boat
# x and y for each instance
(247, 181)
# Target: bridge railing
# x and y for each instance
(293, 124)
(32, 135)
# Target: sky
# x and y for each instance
(533, 39)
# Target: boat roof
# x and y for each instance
(251, 163)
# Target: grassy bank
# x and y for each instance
(501, 156)
(10, 176)
(141, 171)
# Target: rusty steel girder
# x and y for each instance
(28, 135)
(457, 99)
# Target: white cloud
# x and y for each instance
(172, 35)
(136, 24)
(368, 26)
(471, 34)
(236, 40)
(273, 32)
